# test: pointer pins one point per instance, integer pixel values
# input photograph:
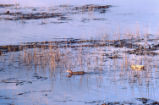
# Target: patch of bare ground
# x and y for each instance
(6, 5)
(60, 12)
(131, 44)
(138, 101)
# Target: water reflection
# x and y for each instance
(40, 75)
(35, 73)
(75, 19)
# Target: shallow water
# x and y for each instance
(37, 76)
(124, 17)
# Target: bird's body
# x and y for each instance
(78, 73)
(75, 73)
(137, 67)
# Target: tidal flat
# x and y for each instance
(110, 47)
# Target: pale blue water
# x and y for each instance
(114, 80)
(124, 17)
(108, 80)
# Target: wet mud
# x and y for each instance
(132, 45)
(22, 16)
(62, 12)
(141, 101)
(6, 5)
(51, 57)
(15, 81)
(94, 8)
(137, 101)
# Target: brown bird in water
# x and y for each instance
(75, 73)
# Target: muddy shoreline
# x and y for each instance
(132, 44)
(56, 12)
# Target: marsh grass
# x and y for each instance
(96, 59)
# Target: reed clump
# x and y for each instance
(41, 57)
(85, 55)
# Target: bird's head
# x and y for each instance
(69, 71)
